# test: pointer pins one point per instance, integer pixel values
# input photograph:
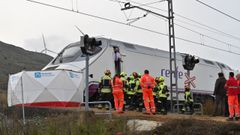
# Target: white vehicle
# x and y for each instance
(136, 58)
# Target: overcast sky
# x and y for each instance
(23, 23)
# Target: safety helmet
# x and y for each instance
(123, 74)
(107, 72)
(161, 79)
(131, 77)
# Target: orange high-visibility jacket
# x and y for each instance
(232, 86)
(238, 82)
(118, 86)
(147, 82)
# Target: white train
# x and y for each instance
(137, 58)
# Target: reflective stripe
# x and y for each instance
(232, 106)
(116, 85)
(147, 83)
(105, 90)
(147, 100)
(130, 93)
(233, 87)
(116, 90)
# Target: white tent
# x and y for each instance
(56, 88)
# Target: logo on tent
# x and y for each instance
(43, 74)
(37, 75)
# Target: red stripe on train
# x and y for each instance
(52, 104)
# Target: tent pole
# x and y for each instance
(23, 108)
(87, 81)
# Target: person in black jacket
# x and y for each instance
(220, 95)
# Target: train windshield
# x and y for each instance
(72, 53)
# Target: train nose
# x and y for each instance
(57, 88)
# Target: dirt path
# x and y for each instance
(169, 116)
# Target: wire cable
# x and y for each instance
(134, 26)
(139, 4)
(219, 11)
(194, 21)
(208, 28)
(228, 44)
(150, 3)
(203, 35)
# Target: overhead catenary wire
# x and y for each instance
(194, 21)
(234, 18)
(228, 44)
(137, 18)
(142, 4)
(77, 5)
(131, 20)
(134, 26)
(98, 17)
(72, 4)
(123, 11)
(206, 45)
(150, 3)
(203, 35)
(211, 28)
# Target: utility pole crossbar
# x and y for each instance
(127, 6)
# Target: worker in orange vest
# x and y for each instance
(232, 91)
(147, 83)
(238, 82)
(117, 87)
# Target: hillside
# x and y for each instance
(14, 59)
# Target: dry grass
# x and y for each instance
(65, 122)
(208, 107)
(3, 101)
(75, 123)
(197, 127)
(42, 121)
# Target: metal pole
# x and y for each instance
(87, 81)
(172, 55)
(172, 48)
(23, 108)
(188, 73)
(189, 84)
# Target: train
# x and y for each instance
(137, 58)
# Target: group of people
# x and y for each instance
(133, 91)
(137, 91)
(227, 94)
